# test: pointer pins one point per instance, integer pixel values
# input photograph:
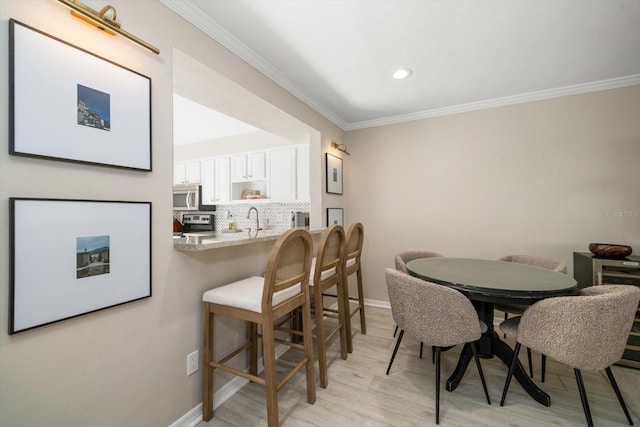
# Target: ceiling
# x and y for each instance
(338, 56)
(194, 122)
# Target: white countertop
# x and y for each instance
(219, 239)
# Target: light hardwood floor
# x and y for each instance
(360, 394)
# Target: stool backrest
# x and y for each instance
(355, 239)
(330, 256)
(289, 265)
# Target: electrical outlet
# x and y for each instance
(192, 363)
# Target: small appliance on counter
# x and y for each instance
(299, 219)
(198, 224)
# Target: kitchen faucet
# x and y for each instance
(253, 208)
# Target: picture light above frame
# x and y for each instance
(104, 21)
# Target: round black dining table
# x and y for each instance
(486, 282)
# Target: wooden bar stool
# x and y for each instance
(326, 273)
(353, 265)
(262, 301)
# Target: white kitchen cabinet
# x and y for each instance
(186, 172)
(216, 184)
(282, 174)
(208, 178)
(248, 167)
(223, 179)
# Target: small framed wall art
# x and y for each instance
(73, 257)
(335, 216)
(68, 104)
(334, 174)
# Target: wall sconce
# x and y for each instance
(101, 20)
(340, 147)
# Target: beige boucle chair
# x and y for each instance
(434, 314)
(588, 331)
(537, 261)
(401, 265)
(263, 301)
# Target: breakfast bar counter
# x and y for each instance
(197, 242)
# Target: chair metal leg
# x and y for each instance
(433, 354)
(614, 384)
(395, 350)
(583, 396)
(484, 384)
(437, 385)
(395, 331)
(530, 364)
(544, 366)
(512, 368)
(421, 347)
(506, 317)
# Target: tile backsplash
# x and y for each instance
(274, 216)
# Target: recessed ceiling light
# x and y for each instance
(402, 73)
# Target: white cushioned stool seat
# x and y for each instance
(246, 294)
(351, 262)
(324, 275)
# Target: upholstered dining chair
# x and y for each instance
(326, 274)
(588, 331)
(263, 301)
(434, 314)
(401, 264)
(518, 309)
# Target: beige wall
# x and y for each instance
(536, 178)
(544, 178)
(125, 366)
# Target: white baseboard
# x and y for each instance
(194, 416)
(377, 303)
(190, 419)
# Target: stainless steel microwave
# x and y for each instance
(187, 197)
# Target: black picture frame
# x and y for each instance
(68, 104)
(73, 257)
(335, 216)
(334, 174)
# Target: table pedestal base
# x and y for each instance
(505, 353)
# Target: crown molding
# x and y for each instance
(200, 20)
(195, 16)
(616, 83)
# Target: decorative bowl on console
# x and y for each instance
(609, 250)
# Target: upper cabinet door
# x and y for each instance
(193, 172)
(248, 167)
(186, 172)
(180, 173)
(256, 166)
(207, 169)
(239, 168)
(223, 184)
